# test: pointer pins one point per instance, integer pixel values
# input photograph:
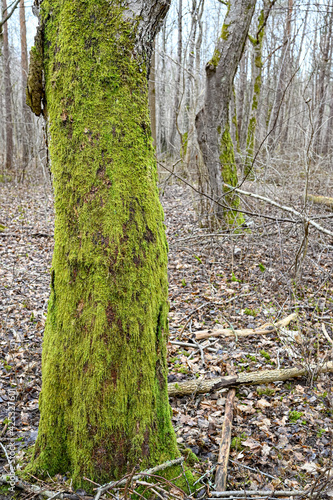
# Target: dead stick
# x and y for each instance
(246, 332)
(260, 377)
(222, 466)
(326, 334)
(290, 493)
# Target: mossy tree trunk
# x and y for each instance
(212, 122)
(257, 43)
(104, 403)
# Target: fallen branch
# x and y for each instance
(260, 377)
(224, 451)
(32, 488)
(268, 493)
(163, 466)
(321, 200)
(262, 330)
(303, 217)
(326, 334)
(41, 491)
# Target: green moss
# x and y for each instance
(185, 477)
(251, 312)
(184, 144)
(2, 228)
(265, 391)
(229, 175)
(265, 354)
(5, 178)
(236, 442)
(294, 416)
(190, 457)
(234, 120)
(216, 58)
(225, 32)
(104, 402)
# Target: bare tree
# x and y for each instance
(177, 101)
(26, 114)
(8, 91)
(282, 81)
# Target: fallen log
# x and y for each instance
(246, 332)
(321, 200)
(253, 378)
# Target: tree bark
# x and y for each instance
(8, 94)
(212, 122)
(104, 403)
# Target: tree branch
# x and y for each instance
(291, 210)
(3, 21)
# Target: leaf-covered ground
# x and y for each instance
(282, 432)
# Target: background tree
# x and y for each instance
(213, 120)
(104, 404)
(8, 91)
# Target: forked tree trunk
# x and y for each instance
(104, 403)
(212, 121)
(257, 44)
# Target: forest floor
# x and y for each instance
(282, 432)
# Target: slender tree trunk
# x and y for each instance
(104, 403)
(191, 144)
(282, 81)
(212, 121)
(26, 129)
(162, 95)
(152, 96)
(189, 74)
(175, 125)
(329, 130)
(326, 47)
(241, 96)
(8, 94)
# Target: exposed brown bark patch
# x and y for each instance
(80, 307)
(160, 374)
(110, 314)
(145, 444)
(149, 236)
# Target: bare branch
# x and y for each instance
(3, 21)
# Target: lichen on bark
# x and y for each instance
(104, 404)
